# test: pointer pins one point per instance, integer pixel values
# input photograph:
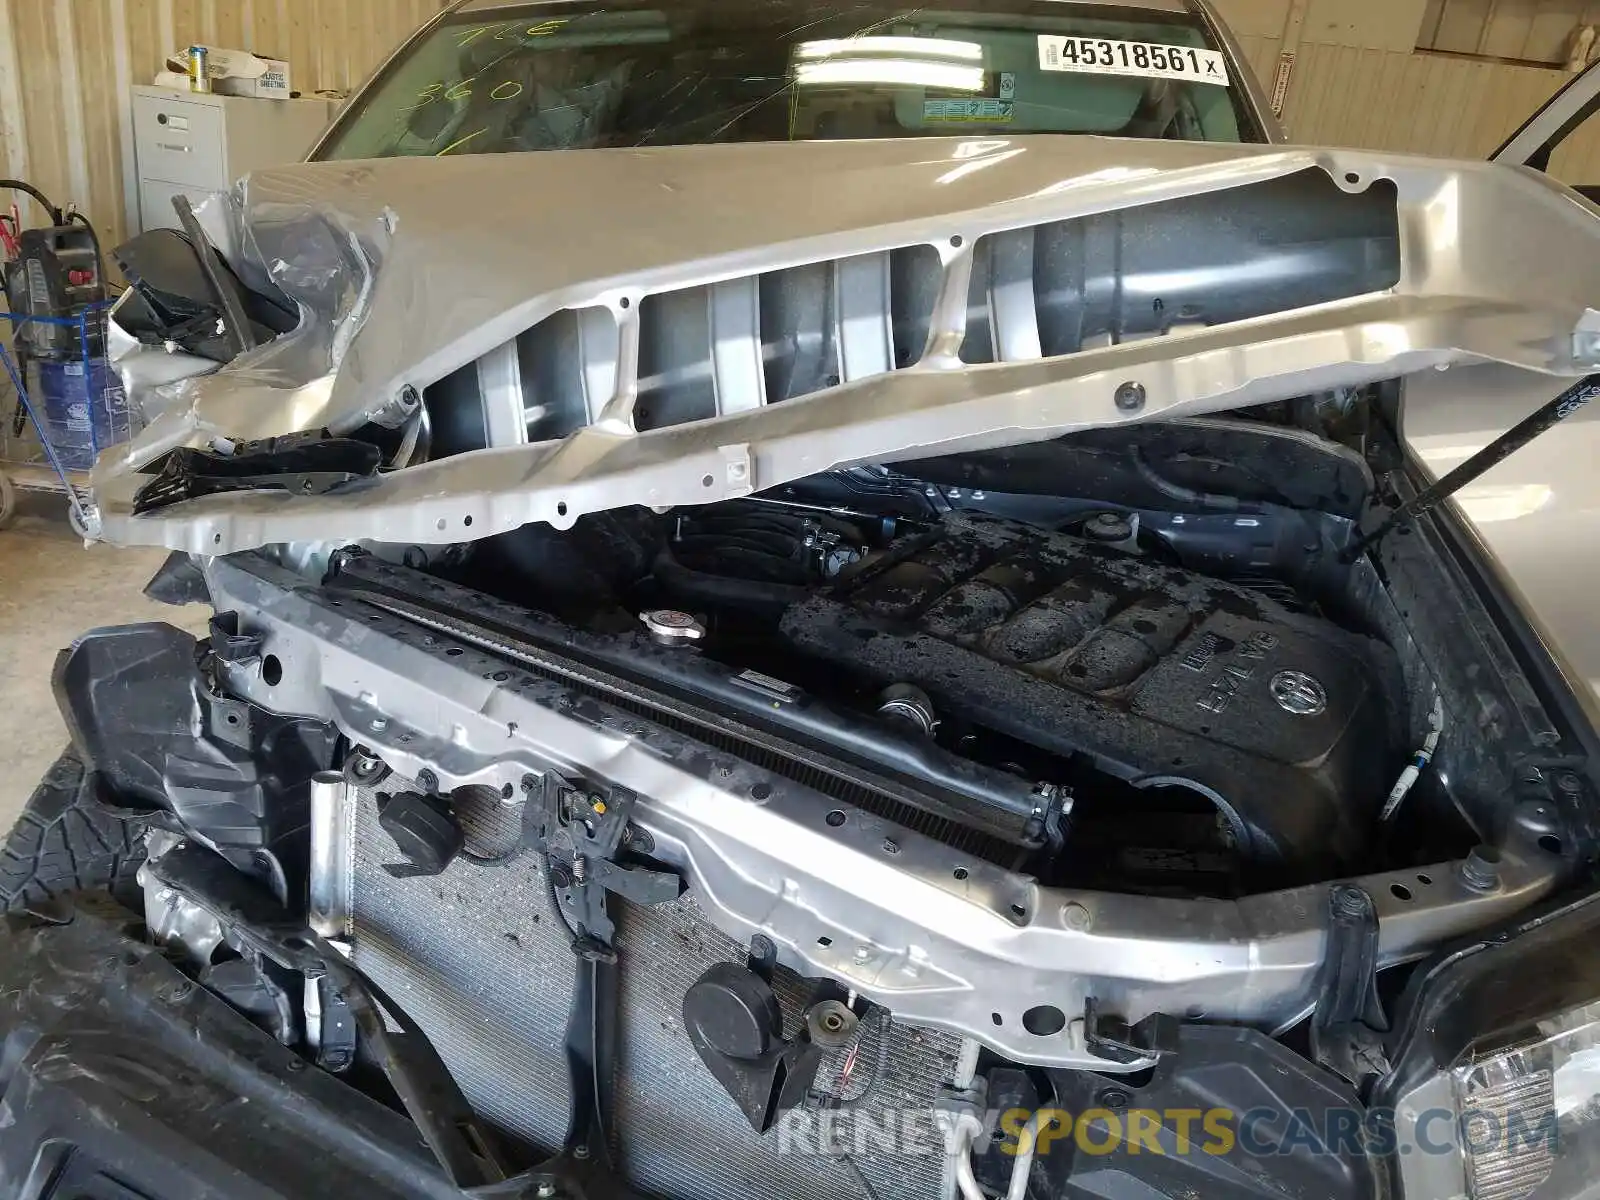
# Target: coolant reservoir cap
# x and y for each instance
(671, 627)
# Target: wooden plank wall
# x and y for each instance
(66, 67)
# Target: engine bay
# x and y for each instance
(1024, 769)
(1194, 698)
(822, 664)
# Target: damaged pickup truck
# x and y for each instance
(868, 624)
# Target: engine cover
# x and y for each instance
(1157, 675)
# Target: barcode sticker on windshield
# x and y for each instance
(1149, 60)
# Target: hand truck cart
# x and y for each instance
(74, 402)
(55, 292)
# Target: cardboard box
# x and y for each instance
(241, 73)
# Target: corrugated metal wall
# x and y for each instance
(1535, 30)
(66, 67)
(1418, 103)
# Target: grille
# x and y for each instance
(477, 959)
(1038, 291)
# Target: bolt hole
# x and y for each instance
(454, 652)
(561, 509)
(836, 818)
(995, 1017)
(1044, 1021)
(956, 241)
(1018, 910)
(1352, 178)
(824, 941)
(1205, 729)
(233, 718)
(216, 539)
(1424, 879)
(271, 670)
(960, 872)
(625, 302)
(439, 524)
(706, 480)
(466, 520)
(761, 791)
(1551, 843)
(1399, 891)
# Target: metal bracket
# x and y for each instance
(297, 464)
(580, 828)
(1111, 1037)
(228, 643)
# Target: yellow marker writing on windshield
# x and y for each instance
(461, 142)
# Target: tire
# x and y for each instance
(63, 842)
(8, 500)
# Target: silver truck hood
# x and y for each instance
(549, 292)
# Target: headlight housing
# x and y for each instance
(1529, 1116)
(1496, 1084)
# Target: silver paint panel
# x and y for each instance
(1497, 265)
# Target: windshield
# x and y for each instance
(565, 76)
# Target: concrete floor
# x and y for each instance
(51, 590)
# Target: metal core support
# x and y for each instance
(936, 936)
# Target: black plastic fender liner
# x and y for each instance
(122, 1080)
(1230, 1113)
(144, 718)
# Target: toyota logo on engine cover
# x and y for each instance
(1298, 693)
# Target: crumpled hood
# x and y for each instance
(411, 269)
(483, 246)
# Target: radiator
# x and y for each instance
(478, 959)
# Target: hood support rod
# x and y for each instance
(1497, 451)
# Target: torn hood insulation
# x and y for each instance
(682, 325)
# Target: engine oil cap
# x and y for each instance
(671, 627)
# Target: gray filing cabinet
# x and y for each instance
(191, 144)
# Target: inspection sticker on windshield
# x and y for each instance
(967, 110)
(1148, 60)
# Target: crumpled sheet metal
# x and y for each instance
(325, 264)
(1498, 264)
